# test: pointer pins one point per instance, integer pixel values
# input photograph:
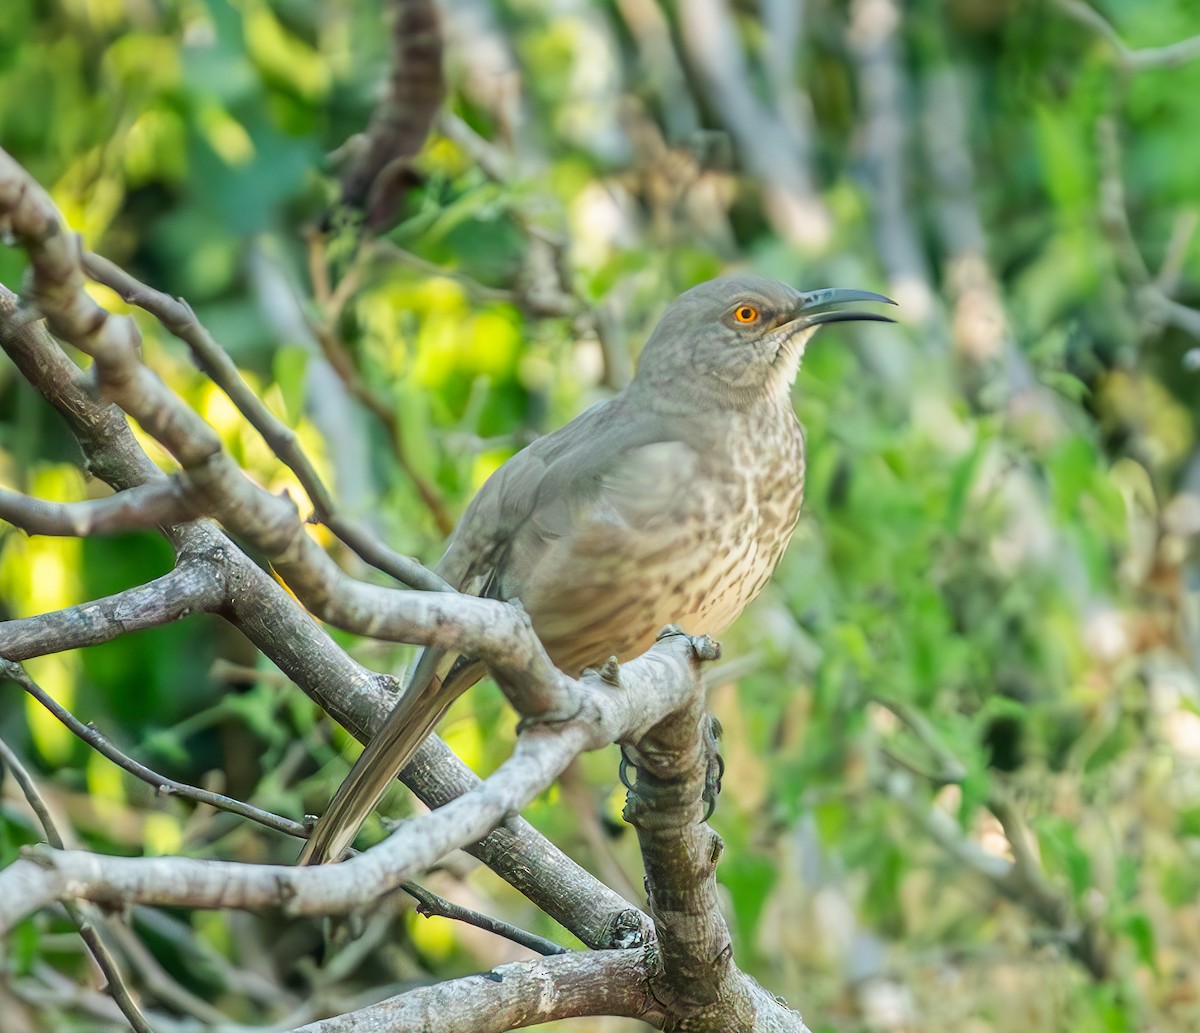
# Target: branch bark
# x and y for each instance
(513, 997)
(653, 688)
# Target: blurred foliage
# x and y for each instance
(993, 591)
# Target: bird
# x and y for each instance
(670, 503)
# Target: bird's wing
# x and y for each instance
(612, 469)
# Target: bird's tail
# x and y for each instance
(435, 684)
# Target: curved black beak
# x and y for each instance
(818, 306)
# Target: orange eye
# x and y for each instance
(746, 314)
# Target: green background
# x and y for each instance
(993, 590)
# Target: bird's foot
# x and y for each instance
(715, 765)
(625, 770)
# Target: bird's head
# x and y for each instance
(736, 339)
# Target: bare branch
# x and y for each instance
(695, 976)
(873, 37)
(495, 633)
(1156, 307)
(1170, 56)
(653, 686)
(148, 505)
(195, 585)
(431, 905)
(166, 786)
(1021, 880)
(159, 983)
(775, 151)
(84, 917)
(357, 698)
(514, 996)
(179, 319)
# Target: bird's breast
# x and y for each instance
(749, 534)
(696, 564)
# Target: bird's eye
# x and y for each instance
(746, 314)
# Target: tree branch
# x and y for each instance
(774, 150)
(693, 973)
(177, 318)
(1170, 56)
(513, 997)
(654, 686)
(873, 35)
(149, 505)
(85, 918)
(429, 903)
(195, 585)
(1021, 880)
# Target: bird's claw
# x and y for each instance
(624, 769)
(715, 767)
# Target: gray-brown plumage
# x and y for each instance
(669, 504)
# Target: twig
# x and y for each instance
(430, 903)
(177, 317)
(159, 982)
(195, 952)
(85, 918)
(1022, 880)
(1156, 307)
(162, 784)
(479, 292)
(1130, 60)
(950, 770)
(148, 505)
(197, 584)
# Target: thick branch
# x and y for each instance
(513, 997)
(195, 585)
(654, 686)
(695, 976)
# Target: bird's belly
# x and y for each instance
(699, 572)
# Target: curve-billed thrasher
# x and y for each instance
(670, 503)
